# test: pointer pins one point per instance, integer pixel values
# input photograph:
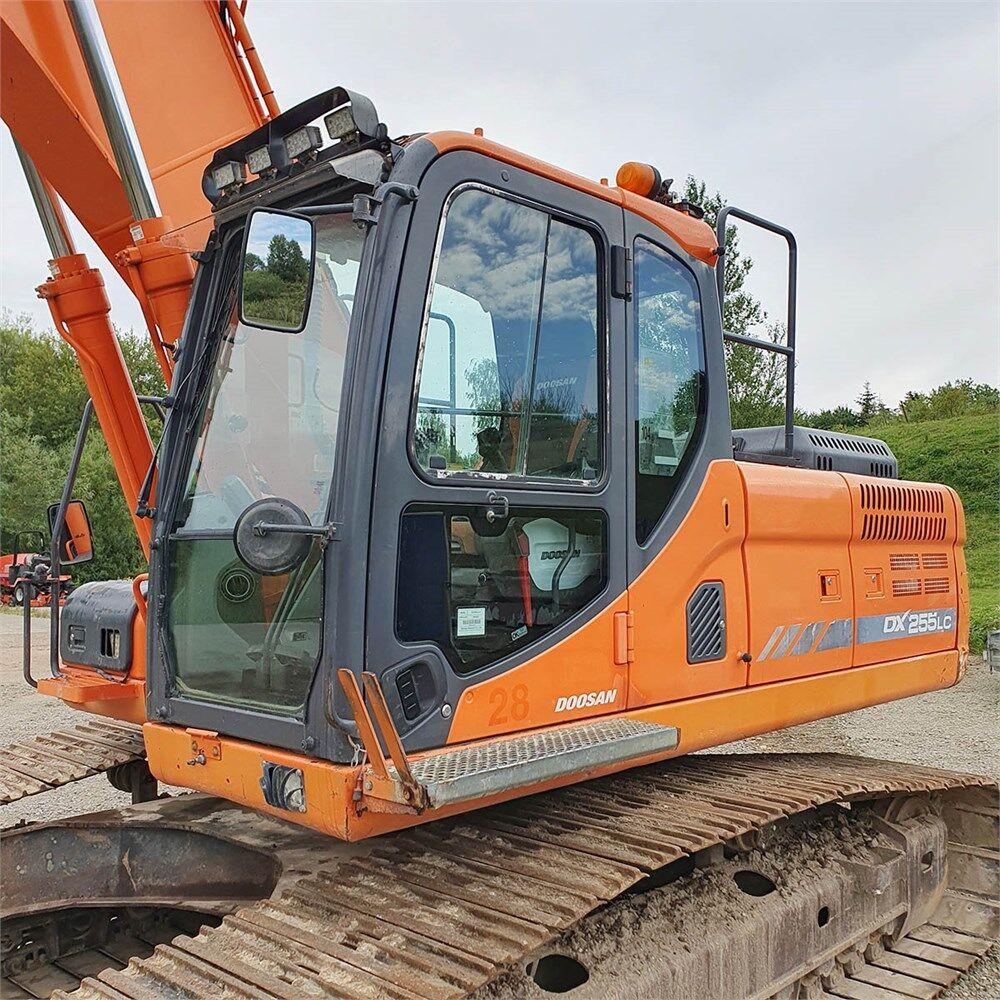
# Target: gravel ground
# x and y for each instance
(956, 729)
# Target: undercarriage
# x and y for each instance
(711, 876)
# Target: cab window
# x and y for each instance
(669, 378)
(509, 375)
(481, 590)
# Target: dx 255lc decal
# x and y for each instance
(816, 637)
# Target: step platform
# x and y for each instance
(487, 768)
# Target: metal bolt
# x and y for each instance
(446, 710)
(308, 743)
(505, 175)
(368, 786)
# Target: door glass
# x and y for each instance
(669, 377)
(481, 590)
(267, 426)
(510, 365)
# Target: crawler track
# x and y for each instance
(46, 762)
(439, 911)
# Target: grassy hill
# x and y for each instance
(963, 452)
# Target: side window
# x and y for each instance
(482, 589)
(669, 377)
(510, 363)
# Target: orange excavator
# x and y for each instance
(454, 563)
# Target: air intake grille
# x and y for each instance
(904, 560)
(937, 585)
(935, 560)
(706, 624)
(905, 588)
(902, 513)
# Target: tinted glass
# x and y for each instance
(267, 427)
(509, 375)
(669, 377)
(481, 590)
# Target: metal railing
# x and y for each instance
(788, 348)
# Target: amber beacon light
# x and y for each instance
(639, 178)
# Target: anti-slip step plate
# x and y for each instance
(500, 765)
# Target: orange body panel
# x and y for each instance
(798, 569)
(692, 234)
(905, 554)
(234, 772)
(707, 546)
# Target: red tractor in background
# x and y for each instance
(27, 566)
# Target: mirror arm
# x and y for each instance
(55, 554)
(325, 531)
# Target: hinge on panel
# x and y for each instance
(621, 272)
(624, 639)
(367, 206)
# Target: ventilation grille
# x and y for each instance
(408, 696)
(848, 442)
(905, 588)
(902, 561)
(706, 624)
(883, 470)
(824, 462)
(935, 560)
(937, 585)
(902, 513)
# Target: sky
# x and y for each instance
(869, 129)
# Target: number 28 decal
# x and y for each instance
(512, 708)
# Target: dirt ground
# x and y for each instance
(958, 729)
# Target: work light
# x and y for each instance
(228, 175)
(259, 160)
(340, 122)
(303, 141)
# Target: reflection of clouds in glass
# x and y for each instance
(493, 250)
(264, 226)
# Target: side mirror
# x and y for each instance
(75, 543)
(279, 255)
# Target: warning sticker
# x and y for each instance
(470, 621)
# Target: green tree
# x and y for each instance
(42, 395)
(285, 259)
(869, 404)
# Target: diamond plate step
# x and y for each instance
(483, 769)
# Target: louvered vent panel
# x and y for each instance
(706, 624)
(408, 696)
(904, 560)
(937, 585)
(893, 513)
(905, 588)
(935, 560)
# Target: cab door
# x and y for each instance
(686, 516)
(497, 559)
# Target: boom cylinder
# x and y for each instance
(80, 310)
(114, 111)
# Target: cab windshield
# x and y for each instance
(267, 426)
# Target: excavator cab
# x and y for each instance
(402, 399)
